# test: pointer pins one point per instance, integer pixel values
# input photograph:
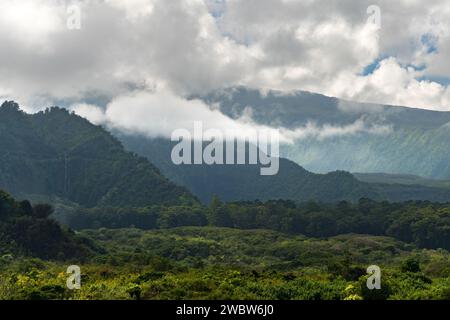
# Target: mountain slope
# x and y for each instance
(399, 188)
(417, 143)
(56, 153)
(244, 182)
(403, 179)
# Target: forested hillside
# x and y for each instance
(27, 230)
(308, 257)
(293, 182)
(56, 153)
(424, 224)
(403, 179)
(244, 182)
(416, 144)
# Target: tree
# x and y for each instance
(42, 211)
(222, 218)
(411, 265)
(215, 203)
(26, 207)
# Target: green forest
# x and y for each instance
(242, 251)
(421, 223)
(76, 197)
(214, 158)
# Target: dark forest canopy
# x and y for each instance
(30, 231)
(57, 153)
(423, 223)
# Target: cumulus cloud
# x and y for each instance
(326, 47)
(392, 83)
(121, 46)
(194, 46)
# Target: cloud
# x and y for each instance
(327, 131)
(93, 113)
(391, 83)
(121, 46)
(160, 113)
(193, 46)
(324, 46)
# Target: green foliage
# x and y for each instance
(411, 265)
(218, 263)
(42, 211)
(145, 218)
(56, 153)
(424, 224)
(28, 230)
(418, 144)
(374, 294)
(245, 183)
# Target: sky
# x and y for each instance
(111, 59)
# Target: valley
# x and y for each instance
(204, 232)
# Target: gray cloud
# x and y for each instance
(179, 46)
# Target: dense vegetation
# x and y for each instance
(402, 179)
(425, 224)
(28, 230)
(227, 263)
(244, 182)
(56, 153)
(139, 236)
(220, 263)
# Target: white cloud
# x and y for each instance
(30, 22)
(323, 46)
(179, 46)
(160, 113)
(311, 130)
(392, 84)
(172, 44)
(93, 113)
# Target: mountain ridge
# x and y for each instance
(293, 182)
(416, 144)
(57, 153)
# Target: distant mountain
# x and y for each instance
(417, 144)
(56, 153)
(60, 156)
(404, 179)
(244, 182)
(402, 193)
(399, 188)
